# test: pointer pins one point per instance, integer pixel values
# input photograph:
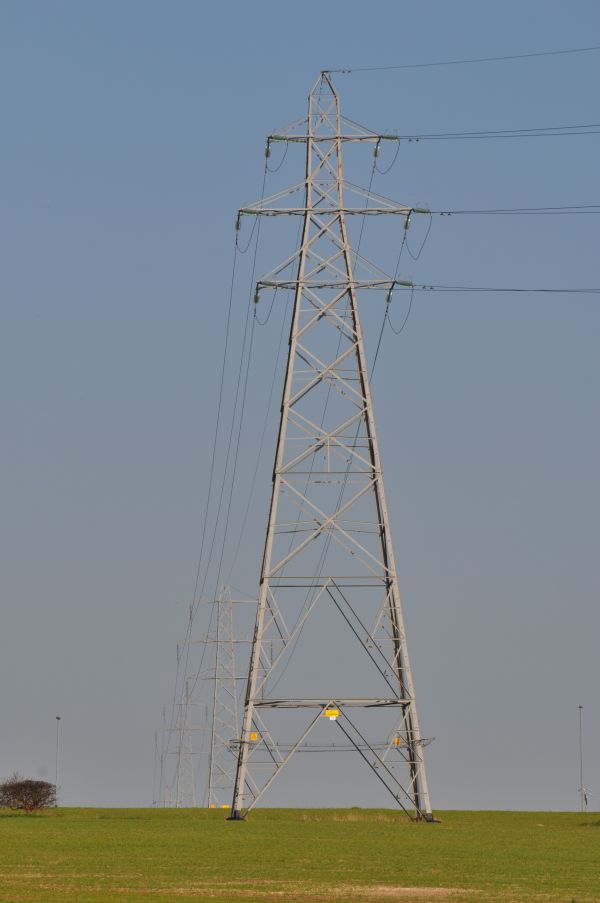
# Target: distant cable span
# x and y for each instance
(464, 62)
(393, 284)
(497, 289)
(522, 211)
(551, 131)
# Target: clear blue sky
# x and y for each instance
(131, 134)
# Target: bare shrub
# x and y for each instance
(26, 794)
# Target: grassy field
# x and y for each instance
(91, 855)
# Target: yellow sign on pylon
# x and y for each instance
(332, 714)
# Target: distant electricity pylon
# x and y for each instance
(185, 787)
(329, 649)
(225, 726)
(213, 689)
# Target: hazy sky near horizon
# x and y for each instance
(131, 134)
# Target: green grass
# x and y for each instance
(92, 855)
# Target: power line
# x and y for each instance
(232, 429)
(235, 459)
(388, 285)
(265, 421)
(493, 289)
(540, 128)
(260, 447)
(494, 136)
(463, 62)
(546, 131)
(416, 254)
(229, 442)
(184, 653)
(247, 357)
(551, 131)
(245, 389)
(406, 316)
(384, 172)
(522, 211)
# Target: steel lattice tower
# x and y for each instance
(225, 721)
(185, 785)
(328, 587)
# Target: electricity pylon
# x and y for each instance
(328, 587)
(185, 785)
(220, 730)
(225, 721)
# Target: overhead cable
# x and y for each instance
(469, 61)
(406, 316)
(402, 285)
(495, 289)
(556, 131)
(260, 445)
(184, 652)
(199, 593)
(522, 211)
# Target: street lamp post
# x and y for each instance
(56, 761)
(581, 785)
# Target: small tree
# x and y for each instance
(26, 794)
